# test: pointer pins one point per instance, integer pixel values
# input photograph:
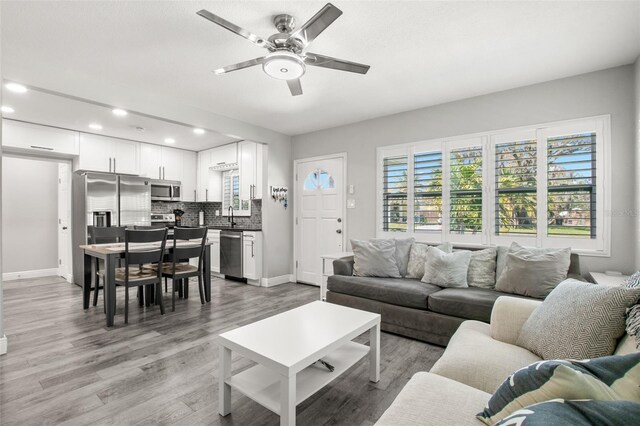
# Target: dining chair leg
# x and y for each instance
(126, 304)
(140, 296)
(173, 295)
(159, 297)
(165, 284)
(97, 290)
(186, 287)
(201, 288)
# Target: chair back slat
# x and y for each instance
(105, 235)
(190, 251)
(144, 246)
(147, 227)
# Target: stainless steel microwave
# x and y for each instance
(165, 190)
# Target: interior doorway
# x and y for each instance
(319, 213)
(36, 217)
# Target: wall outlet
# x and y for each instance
(217, 212)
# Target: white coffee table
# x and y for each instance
(285, 345)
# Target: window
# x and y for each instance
(465, 190)
(319, 179)
(516, 187)
(231, 190)
(394, 187)
(541, 186)
(571, 185)
(427, 187)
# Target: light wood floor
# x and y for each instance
(64, 365)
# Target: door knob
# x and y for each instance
(338, 231)
(339, 220)
(64, 228)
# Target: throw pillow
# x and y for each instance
(578, 320)
(482, 268)
(515, 248)
(561, 412)
(633, 281)
(606, 378)
(403, 248)
(534, 275)
(446, 269)
(374, 259)
(633, 313)
(418, 255)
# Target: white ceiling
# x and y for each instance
(421, 53)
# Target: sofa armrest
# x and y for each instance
(509, 315)
(343, 266)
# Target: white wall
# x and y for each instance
(29, 214)
(637, 168)
(603, 92)
(277, 222)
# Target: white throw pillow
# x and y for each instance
(418, 256)
(446, 269)
(375, 258)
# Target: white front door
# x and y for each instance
(319, 215)
(64, 221)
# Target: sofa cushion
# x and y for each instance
(474, 358)
(396, 291)
(590, 316)
(429, 399)
(470, 303)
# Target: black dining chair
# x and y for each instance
(103, 235)
(180, 269)
(143, 257)
(147, 227)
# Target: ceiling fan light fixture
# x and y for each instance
(283, 65)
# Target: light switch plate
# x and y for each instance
(351, 189)
(351, 203)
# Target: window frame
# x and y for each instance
(599, 246)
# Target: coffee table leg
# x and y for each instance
(288, 401)
(374, 353)
(224, 388)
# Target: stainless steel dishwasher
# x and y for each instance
(231, 253)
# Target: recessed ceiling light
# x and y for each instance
(170, 140)
(119, 112)
(95, 126)
(198, 131)
(15, 87)
(7, 109)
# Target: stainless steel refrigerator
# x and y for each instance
(102, 199)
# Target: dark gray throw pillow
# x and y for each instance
(578, 320)
(534, 274)
(374, 258)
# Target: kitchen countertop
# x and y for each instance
(235, 228)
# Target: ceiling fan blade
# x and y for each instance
(295, 87)
(316, 60)
(317, 24)
(239, 66)
(260, 41)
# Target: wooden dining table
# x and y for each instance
(110, 253)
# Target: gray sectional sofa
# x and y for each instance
(416, 309)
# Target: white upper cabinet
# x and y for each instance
(26, 137)
(151, 161)
(172, 163)
(250, 164)
(104, 154)
(189, 170)
(225, 154)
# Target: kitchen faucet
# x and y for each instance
(230, 217)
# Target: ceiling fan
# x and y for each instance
(287, 58)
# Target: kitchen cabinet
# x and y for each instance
(252, 256)
(30, 138)
(105, 154)
(161, 162)
(250, 165)
(223, 155)
(189, 166)
(209, 183)
(214, 237)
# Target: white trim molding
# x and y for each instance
(36, 273)
(282, 279)
(3, 345)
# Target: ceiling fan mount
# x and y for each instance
(288, 58)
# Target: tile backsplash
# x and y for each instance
(191, 210)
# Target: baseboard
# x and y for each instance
(37, 273)
(3, 345)
(282, 279)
